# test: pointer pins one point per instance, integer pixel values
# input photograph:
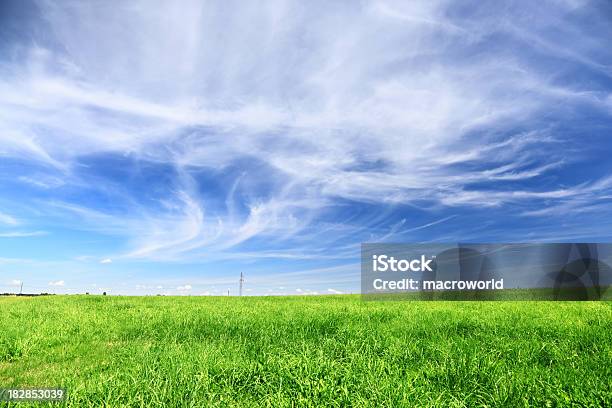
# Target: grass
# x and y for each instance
(307, 351)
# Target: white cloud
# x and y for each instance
(15, 282)
(42, 181)
(22, 234)
(106, 261)
(334, 291)
(7, 219)
(183, 287)
(56, 283)
(345, 125)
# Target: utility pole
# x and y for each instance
(241, 282)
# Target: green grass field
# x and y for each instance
(307, 351)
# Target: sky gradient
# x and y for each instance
(166, 147)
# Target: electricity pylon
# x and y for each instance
(241, 282)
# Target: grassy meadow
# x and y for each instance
(307, 351)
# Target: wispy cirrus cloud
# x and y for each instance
(22, 234)
(8, 220)
(212, 131)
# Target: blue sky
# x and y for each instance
(165, 148)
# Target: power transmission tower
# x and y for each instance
(241, 282)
